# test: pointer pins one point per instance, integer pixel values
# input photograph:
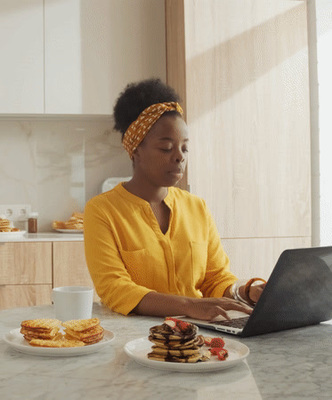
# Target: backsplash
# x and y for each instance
(56, 165)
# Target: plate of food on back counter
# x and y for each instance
(73, 225)
(7, 230)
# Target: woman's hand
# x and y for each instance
(255, 292)
(209, 308)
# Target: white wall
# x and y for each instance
(320, 45)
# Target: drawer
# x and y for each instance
(12, 296)
(26, 263)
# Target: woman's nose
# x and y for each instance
(180, 156)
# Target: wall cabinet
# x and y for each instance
(29, 271)
(21, 49)
(76, 56)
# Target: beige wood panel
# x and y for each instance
(12, 296)
(247, 105)
(257, 257)
(69, 266)
(24, 263)
(175, 57)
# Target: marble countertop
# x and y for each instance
(42, 237)
(294, 364)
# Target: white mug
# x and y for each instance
(73, 302)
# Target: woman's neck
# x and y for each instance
(152, 194)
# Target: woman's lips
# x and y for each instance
(177, 172)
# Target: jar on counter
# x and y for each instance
(32, 222)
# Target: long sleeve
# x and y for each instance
(112, 281)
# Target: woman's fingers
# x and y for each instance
(218, 311)
(242, 307)
(211, 308)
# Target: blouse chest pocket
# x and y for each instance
(198, 261)
(142, 267)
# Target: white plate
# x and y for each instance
(16, 340)
(139, 348)
(11, 234)
(70, 230)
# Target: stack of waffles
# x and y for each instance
(87, 331)
(177, 341)
(46, 332)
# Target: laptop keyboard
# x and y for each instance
(234, 323)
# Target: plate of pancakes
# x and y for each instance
(177, 346)
(51, 337)
(7, 230)
(73, 225)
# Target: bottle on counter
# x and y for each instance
(32, 222)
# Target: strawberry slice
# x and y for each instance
(207, 340)
(217, 342)
(177, 324)
(215, 350)
(222, 354)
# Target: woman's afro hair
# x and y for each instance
(136, 97)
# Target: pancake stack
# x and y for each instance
(176, 341)
(41, 329)
(87, 331)
(74, 222)
(5, 226)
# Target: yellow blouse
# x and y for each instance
(128, 255)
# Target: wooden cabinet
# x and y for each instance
(21, 49)
(243, 78)
(29, 271)
(69, 266)
(26, 274)
(76, 56)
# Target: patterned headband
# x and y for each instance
(138, 129)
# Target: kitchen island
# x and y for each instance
(293, 364)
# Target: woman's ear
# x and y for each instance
(135, 157)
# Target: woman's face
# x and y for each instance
(161, 158)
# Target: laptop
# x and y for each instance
(297, 294)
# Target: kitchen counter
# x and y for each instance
(42, 237)
(294, 364)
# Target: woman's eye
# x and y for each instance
(166, 150)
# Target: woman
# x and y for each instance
(151, 248)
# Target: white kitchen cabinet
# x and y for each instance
(76, 56)
(94, 49)
(21, 49)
